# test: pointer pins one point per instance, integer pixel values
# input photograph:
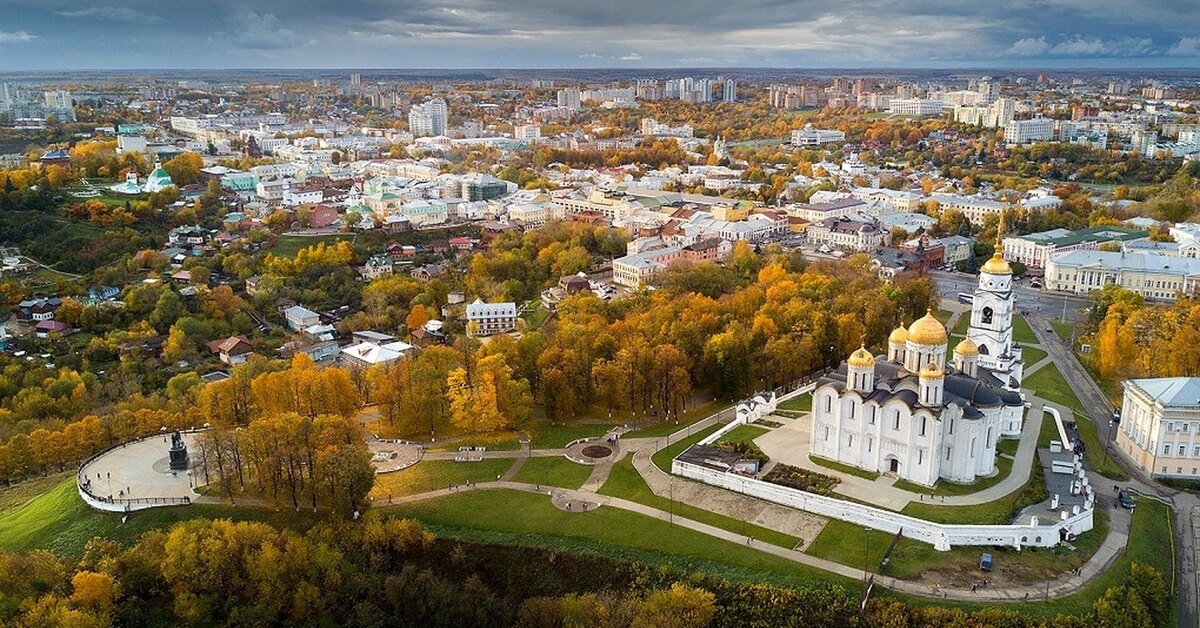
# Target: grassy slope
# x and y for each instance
(662, 459)
(288, 246)
(436, 474)
(57, 520)
(556, 471)
(527, 519)
(1022, 332)
(1032, 355)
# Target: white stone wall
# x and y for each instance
(942, 536)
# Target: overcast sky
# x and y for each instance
(116, 34)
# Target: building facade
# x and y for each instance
(1160, 425)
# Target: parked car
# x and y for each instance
(985, 562)
(1125, 500)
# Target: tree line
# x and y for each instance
(385, 571)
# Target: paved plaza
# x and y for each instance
(139, 470)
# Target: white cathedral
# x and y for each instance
(911, 415)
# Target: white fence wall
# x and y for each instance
(941, 536)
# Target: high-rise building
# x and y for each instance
(356, 79)
(569, 97)
(428, 118)
(730, 91)
(60, 104)
(988, 90)
(1029, 131)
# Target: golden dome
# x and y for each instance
(927, 330)
(899, 335)
(996, 265)
(861, 358)
(931, 371)
(967, 348)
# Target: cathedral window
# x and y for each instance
(920, 456)
(829, 403)
(947, 454)
(922, 426)
(986, 316)
(973, 442)
(951, 427)
(826, 432)
(896, 419)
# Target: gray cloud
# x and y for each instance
(263, 32)
(15, 37)
(113, 14)
(536, 33)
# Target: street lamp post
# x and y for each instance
(1112, 423)
(866, 551)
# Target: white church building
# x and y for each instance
(910, 414)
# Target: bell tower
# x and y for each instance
(992, 311)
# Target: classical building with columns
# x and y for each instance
(910, 414)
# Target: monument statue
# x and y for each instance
(178, 453)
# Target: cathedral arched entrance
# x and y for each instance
(892, 464)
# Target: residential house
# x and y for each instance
(231, 350)
(40, 309)
(486, 319)
(298, 317)
(376, 267)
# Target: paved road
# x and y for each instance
(1183, 503)
(1028, 299)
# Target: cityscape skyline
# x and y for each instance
(1064, 34)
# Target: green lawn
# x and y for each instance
(1048, 383)
(57, 520)
(666, 428)
(964, 321)
(1032, 355)
(743, 434)
(1022, 332)
(516, 518)
(844, 468)
(799, 403)
(1003, 469)
(554, 471)
(625, 482)
(288, 246)
(1064, 330)
(662, 459)
(536, 317)
(430, 475)
(1008, 446)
